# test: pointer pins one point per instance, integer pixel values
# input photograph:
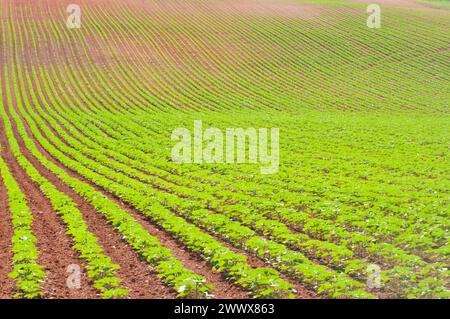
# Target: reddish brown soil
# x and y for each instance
(6, 231)
(225, 289)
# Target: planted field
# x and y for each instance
(355, 204)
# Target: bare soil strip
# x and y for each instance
(261, 8)
(7, 284)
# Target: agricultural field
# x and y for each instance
(350, 200)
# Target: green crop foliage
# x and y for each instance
(363, 117)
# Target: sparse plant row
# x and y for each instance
(27, 271)
(154, 130)
(260, 181)
(124, 98)
(189, 87)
